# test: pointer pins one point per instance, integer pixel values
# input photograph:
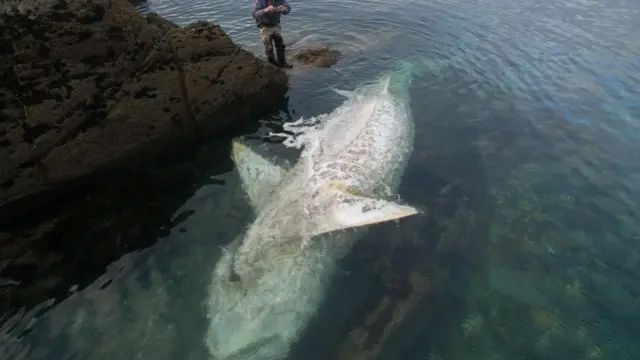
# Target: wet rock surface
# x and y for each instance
(88, 85)
(316, 56)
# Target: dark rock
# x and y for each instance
(317, 56)
(92, 85)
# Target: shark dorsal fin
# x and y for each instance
(353, 210)
(259, 176)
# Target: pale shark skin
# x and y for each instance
(270, 282)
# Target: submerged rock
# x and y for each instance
(317, 56)
(89, 85)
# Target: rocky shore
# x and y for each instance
(92, 93)
(91, 85)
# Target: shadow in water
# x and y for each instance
(67, 245)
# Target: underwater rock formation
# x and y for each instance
(89, 85)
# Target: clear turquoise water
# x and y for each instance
(526, 155)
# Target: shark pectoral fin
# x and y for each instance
(357, 211)
(258, 175)
(361, 211)
(224, 269)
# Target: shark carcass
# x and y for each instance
(270, 281)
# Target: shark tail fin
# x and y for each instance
(355, 210)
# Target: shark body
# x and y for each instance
(271, 280)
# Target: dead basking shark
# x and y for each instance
(271, 280)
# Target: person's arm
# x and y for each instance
(286, 7)
(258, 10)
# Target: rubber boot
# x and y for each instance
(270, 57)
(280, 46)
(282, 61)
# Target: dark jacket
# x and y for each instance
(269, 18)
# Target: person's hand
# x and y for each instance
(281, 8)
(269, 8)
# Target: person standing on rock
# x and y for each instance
(267, 14)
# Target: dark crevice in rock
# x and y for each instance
(260, 64)
(33, 132)
(183, 89)
(224, 67)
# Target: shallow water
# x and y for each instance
(528, 132)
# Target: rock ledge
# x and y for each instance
(87, 85)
